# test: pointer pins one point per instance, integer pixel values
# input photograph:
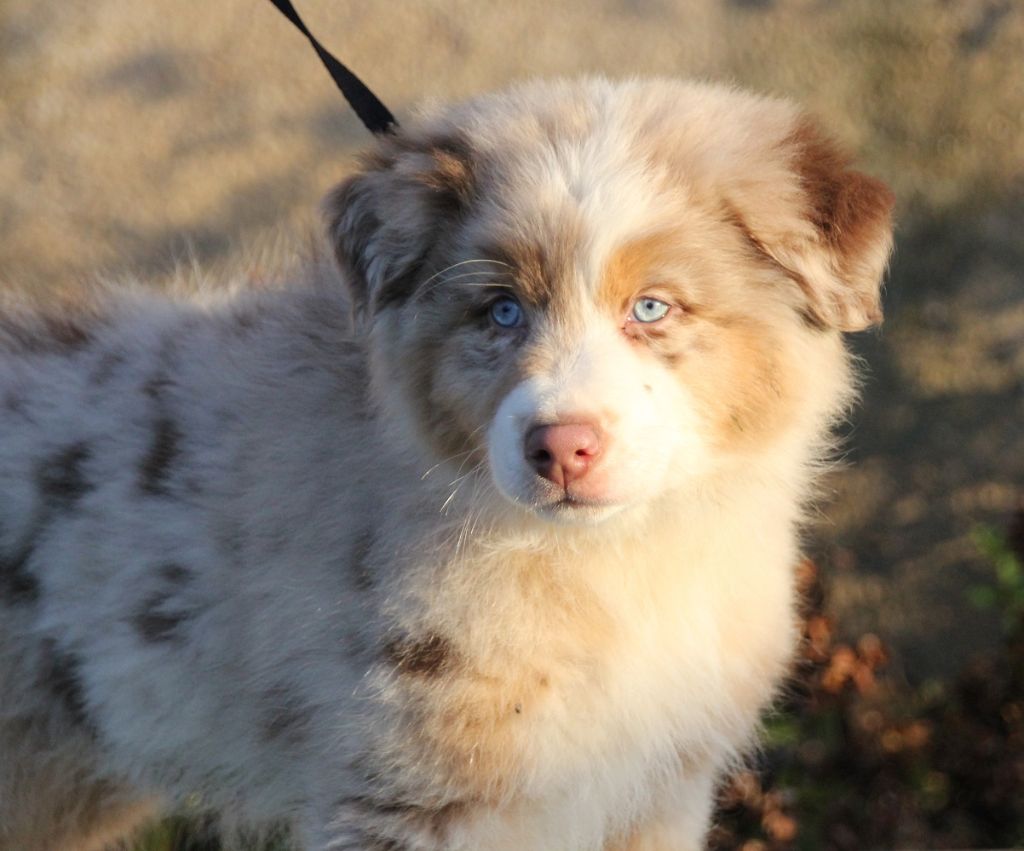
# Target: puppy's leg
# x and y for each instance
(680, 821)
(54, 796)
(50, 798)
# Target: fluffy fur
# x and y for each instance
(303, 571)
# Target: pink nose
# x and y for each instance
(562, 453)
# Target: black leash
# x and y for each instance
(377, 117)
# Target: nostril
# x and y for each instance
(538, 453)
(562, 452)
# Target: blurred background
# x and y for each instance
(140, 138)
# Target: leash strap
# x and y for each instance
(377, 117)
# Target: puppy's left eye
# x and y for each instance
(506, 312)
(649, 310)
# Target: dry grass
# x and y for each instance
(135, 132)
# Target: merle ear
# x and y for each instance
(832, 235)
(385, 221)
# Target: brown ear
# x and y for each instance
(833, 235)
(385, 221)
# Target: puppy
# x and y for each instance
(507, 562)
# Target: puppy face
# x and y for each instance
(606, 293)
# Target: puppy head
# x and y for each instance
(610, 292)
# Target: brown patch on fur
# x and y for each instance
(163, 450)
(452, 173)
(106, 366)
(156, 385)
(378, 844)
(740, 386)
(425, 657)
(535, 268)
(13, 403)
(174, 574)
(647, 266)
(60, 478)
(158, 620)
(396, 816)
(45, 333)
(811, 320)
(359, 570)
(17, 584)
(61, 677)
(286, 719)
(540, 270)
(628, 272)
(846, 206)
(158, 623)
(850, 210)
(449, 167)
(66, 332)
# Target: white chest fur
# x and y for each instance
(593, 676)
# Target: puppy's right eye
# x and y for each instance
(506, 312)
(649, 310)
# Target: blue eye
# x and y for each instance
(506, 313)
(649, 310)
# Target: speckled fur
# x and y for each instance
(295, 567)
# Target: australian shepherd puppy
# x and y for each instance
(487, 544)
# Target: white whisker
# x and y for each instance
(484, 280)
(462, 263)
(447, 502)
(444, 461)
